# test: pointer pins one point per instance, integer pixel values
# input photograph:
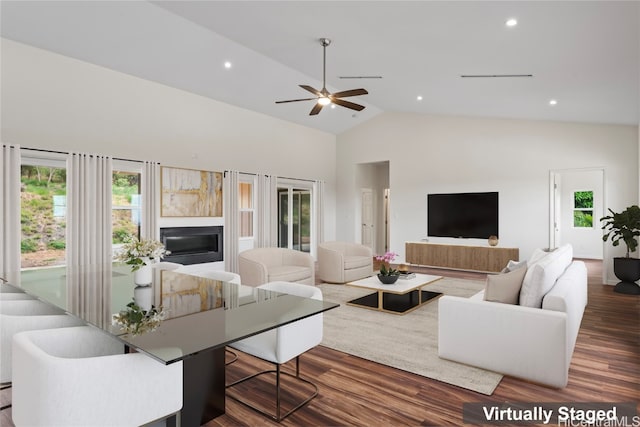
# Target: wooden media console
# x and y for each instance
(460, 257)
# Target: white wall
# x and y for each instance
(54, 102)
(439, 154)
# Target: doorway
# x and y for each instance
(373, 206)
(577, 204)
(294, 219)
(368, 226)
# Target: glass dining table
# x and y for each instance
(202, 317)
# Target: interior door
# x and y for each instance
(368, 226)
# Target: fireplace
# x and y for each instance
(192, 245)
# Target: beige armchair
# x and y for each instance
(341, 262)
(263, 265)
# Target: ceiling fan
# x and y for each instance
(323, 96)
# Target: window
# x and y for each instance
(294, 218)
(246, 207)
(583, 209)
(43, 213)
(126, 204)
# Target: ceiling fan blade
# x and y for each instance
(316, 109)
(347, 93)
(294, 100)
(348, 104)
(312, 90)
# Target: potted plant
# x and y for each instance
(387, 275)
(624, 227)
(135, 320)
(140, 254)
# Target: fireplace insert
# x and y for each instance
(192, 245)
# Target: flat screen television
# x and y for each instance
(466, 215)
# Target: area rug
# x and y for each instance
(408, 342)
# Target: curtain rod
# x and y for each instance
(277, 176)
(66, 152)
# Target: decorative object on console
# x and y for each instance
(140, 254)
(624, 226)
(190, 193)
(387, 275)
(493, 240)
(135, 320)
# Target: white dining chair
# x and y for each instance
(281, 345)
(8, 292)
(82, 377)
(26, 315)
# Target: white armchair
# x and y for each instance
(262, 265)
(283, 344)
(26, 315)
(342, 262)
(81, 377)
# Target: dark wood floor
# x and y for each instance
(355, 392)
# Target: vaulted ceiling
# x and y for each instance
(583, 54)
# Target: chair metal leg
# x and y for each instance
(278, 416)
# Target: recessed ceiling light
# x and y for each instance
(227, 65)
(419, 98)
(511, 22)
(333, 105)
(553, 102)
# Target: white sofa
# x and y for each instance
(532, 342)
(342, 262)
(263, 265)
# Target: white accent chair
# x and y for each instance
(26, 315)
(342, 262)
(81, 377)
(263, 265)
(283, 344)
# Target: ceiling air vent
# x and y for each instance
(494, 75)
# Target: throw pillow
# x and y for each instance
(505, 288)
(542, 275)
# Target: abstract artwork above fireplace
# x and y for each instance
(190, 193)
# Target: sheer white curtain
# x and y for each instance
(89, 238)
(318, 192)
(10, 213)
(231, 221)
(150, 183)
(267, 211)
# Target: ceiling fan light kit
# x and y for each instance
(323, 97)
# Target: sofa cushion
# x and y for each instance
(536, 256)
(542, 275)
(505, 287)
(514, 265)
(355, 261)
(288, 273)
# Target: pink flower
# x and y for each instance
(388, 257)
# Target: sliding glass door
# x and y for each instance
(294, 218)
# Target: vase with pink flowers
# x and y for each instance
(387, 275)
